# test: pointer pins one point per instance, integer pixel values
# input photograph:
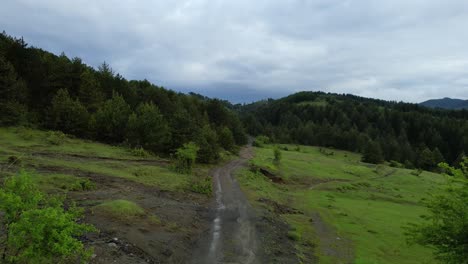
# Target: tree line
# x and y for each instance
(38, 88)
(408, 134)
(54, 92)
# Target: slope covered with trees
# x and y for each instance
(41, 89)
(381, 130)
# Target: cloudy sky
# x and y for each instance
(245, 50)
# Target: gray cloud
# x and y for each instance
(245, 50)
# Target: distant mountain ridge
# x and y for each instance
(446, 103)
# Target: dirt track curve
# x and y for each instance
(232, 238)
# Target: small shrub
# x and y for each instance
(294, 235)
(185, 157)
(396, 164)
(83, 185)
(39, 229)
(203, 186)
(278, 156)
(260, 141)
(140, 152)
(416, 172)
(56, 138)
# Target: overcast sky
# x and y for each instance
(243, 50)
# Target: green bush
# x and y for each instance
(56, 138)
(278, 155)
(37, 229)
(185, 157)
(260, 141)
(203, 186)
(83, 185)
(445, 227)
(140, 152)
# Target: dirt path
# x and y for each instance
(232, 238)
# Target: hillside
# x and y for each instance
(340, 210)
(446, 103)
(98, 168)
(144, 211)
(407, 133)
(41, 89)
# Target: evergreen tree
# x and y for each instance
(426, 159)
(90, 93)
(372, 153)
(207, 140)
(112, 118)
(226, 140)
(148, 128)
(68, 115)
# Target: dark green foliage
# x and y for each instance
(37, 229)
(67, 115)
(111, 119)
(41, 89)
(226, 140)
(90, 93)
(148, 128)
(207, 140)
(13, 113)
(401, 130)
(372, 153)
(13, 94)
(446, 226)
(426, 159)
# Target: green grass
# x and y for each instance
(63, 183)
(71, 156)
(368, 205)
(120, 209)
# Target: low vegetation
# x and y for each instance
(339, 208)
(445, 227)
(36, 228)
(120, 209)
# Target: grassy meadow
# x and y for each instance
(56, 160)
(349, 211)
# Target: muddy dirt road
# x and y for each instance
(232, 237)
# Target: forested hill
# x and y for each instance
(41, 89)
(38, 88)
(446, 103)
(408, 133)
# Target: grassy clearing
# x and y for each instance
(65, 157)
(366, 204)
(120, 209)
